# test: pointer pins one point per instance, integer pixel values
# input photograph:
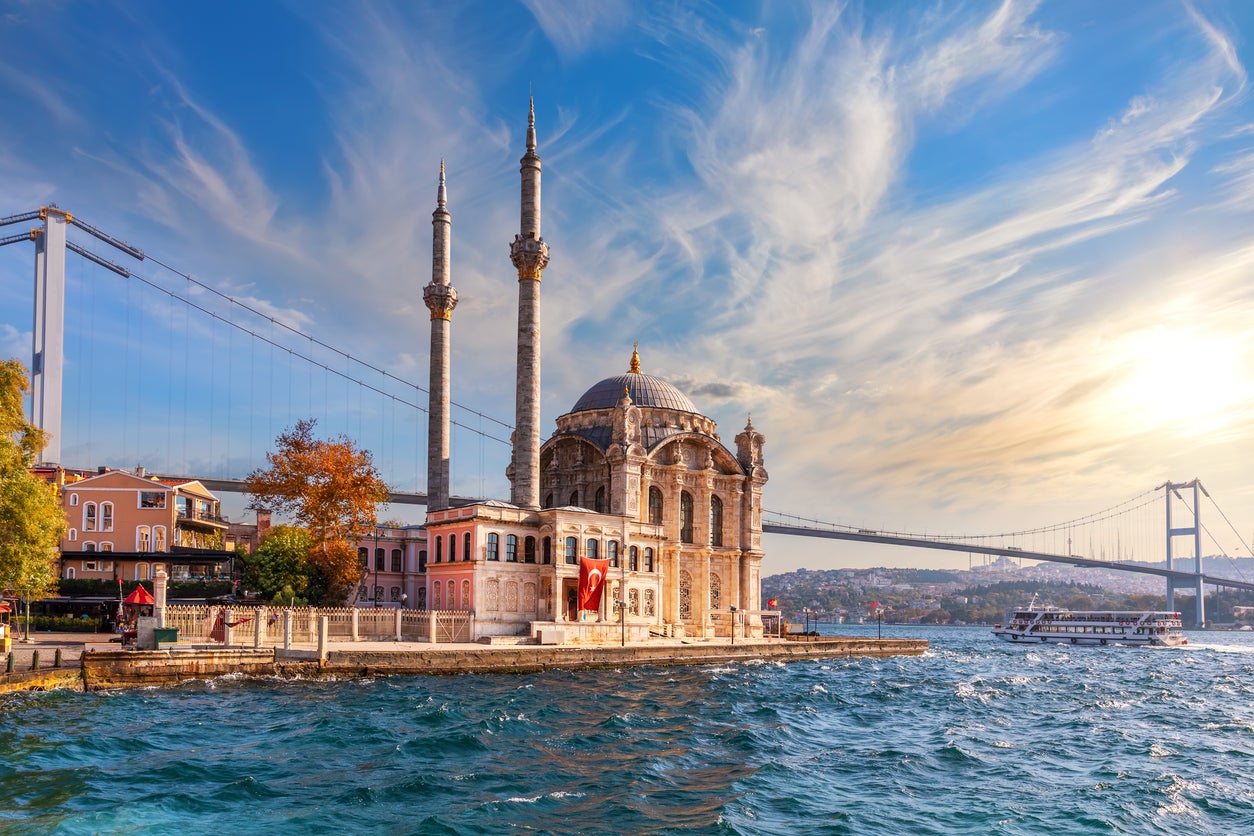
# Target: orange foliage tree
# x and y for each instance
(330, 488)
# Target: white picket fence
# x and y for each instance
(195, 624)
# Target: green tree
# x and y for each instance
(330, 488)
(31, 519)
(280, 562)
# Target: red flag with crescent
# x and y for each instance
(591, 582)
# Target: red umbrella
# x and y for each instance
(140, 596)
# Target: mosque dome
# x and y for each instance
(645, 391)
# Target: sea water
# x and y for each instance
(977, 736)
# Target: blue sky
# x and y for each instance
(972, 267)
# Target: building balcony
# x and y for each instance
(190, 517)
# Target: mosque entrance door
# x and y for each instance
(570, 592)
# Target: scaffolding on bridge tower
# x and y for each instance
(1171, 489)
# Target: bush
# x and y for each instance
(57, 624)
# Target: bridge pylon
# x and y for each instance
(1195, 530)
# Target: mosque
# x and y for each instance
(634, 476)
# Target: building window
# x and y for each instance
(437, 596)
(439, 549)
(72, 535)
(511, 548)
(546, 552)
(89, 547)
(465, 594)
(452, 548)
(452, 597)
(466, 546)
(494, 542)
(572, 546)
(685, 517)
(633, 559)
(655, 505)
(574, 499)
(548, 500)
(685, 595)
(141, 572)
(73, 499)
(396, 560)
(69, 572)
(611, 552)
(378, 559)
(422, 597)
(89, 516)
(648, 559)
(599, 502)
(143, 542)
(158, 538)
(633, 601)
(106, 547)
(378, 594)
(394, 594)
(422, 566)
(529, 550)
(592, 549)
(152, 499)
(716, 521)
(89, 565)
(106, 516)
(716, 591)
(650, 602)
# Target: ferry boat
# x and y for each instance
(1134, 627)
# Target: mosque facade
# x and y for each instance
(634, 475)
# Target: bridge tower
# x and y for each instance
(48, 355)
(1195, 530)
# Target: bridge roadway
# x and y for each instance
(415, 498)
(947, 545)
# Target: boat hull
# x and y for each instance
(1016, 637)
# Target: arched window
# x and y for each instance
(439, 549)
(422, 595)
(716, 521)
(363, 557)
(546, 552)
(592, 549)
(89, 516)
(685, 595)
(73, 499)
(529, 550)
(397, 560)
(611, 552)
(599, 502)
(716, 591)
(73, 535)
(511, 548)
(106, 547)
(452, 597)
(685, 517)
(633, 601)
(655, 505)
(394, 594)
(466, 546)
(574, 498)
(141, 571)
(465, 595)
(437, 596)
(69, 573)
(548, 500)
(452, 548)
(143, 539)
(648, 559)
(89, 547)
(494, 543)
(422, 566)
(650, 605)
(633, 559)
(378, 559)
(106, 516)
(572, 547)
(158, 538)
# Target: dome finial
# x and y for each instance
(441, 197)
(635, 359)
(531, 124)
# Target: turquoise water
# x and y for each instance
(978, 736)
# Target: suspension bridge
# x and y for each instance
(229, 374)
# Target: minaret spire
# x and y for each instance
(530, 255)
(440, 298)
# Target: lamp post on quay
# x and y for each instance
(733, 624)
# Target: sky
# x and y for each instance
(970, 266)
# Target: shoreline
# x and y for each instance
(101, 667)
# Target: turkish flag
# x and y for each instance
(591, 582)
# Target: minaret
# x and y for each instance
(441, 298)
(529, 254)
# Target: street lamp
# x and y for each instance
(732, 610)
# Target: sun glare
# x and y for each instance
(1186, 382)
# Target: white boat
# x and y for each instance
(1133, 627)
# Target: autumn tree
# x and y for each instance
(31, 519)
(330, 488)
